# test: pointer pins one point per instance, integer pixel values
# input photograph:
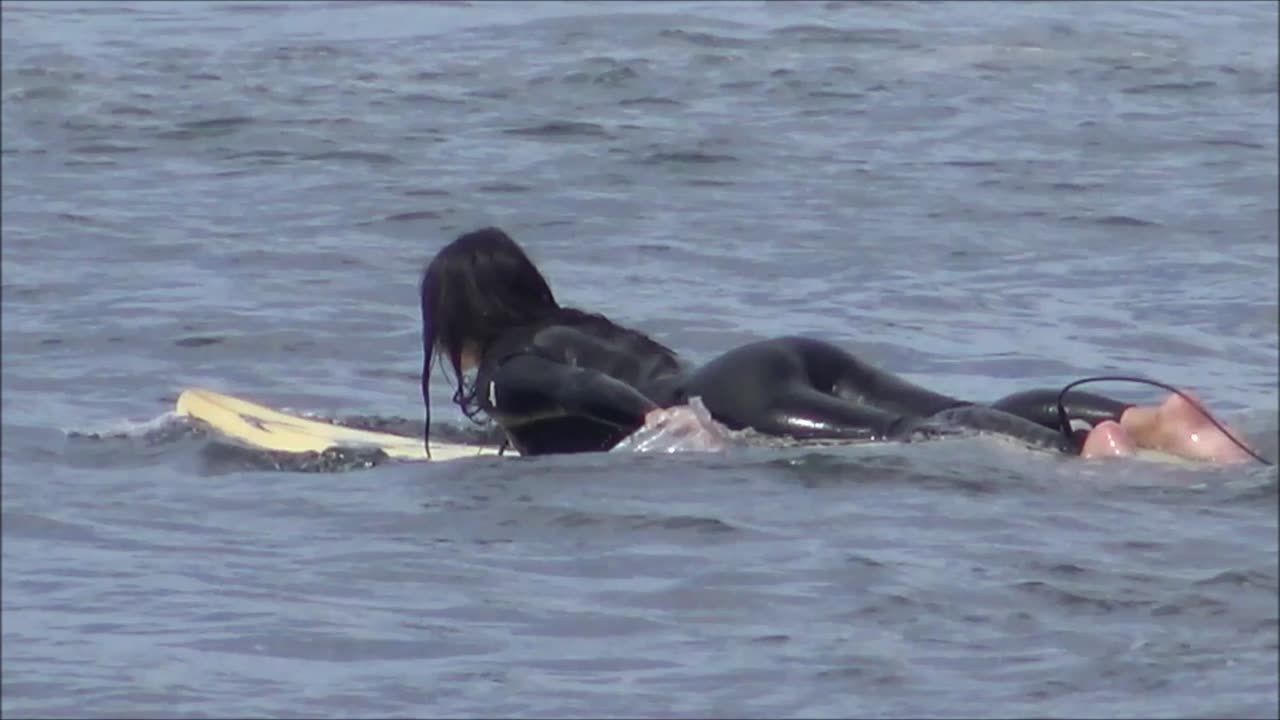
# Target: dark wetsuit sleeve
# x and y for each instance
(527, 387)
(1041, 407)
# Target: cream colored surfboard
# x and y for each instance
(262, 427)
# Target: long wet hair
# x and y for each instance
(476, 289)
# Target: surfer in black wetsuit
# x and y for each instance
(560, 380)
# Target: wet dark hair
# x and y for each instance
(477, 288)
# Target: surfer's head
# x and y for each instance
(476, 288)
(480, 287)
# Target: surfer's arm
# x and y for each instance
(528, 387)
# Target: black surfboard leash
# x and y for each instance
(1065, 423)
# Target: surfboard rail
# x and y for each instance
(263, 427)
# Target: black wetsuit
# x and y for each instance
(581, 388)
(575, 388)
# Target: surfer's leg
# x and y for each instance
(812, 389)
(804, 413)
(1041, 406)
(844, 376)
(767, 386)
(835, 371)
(852, 379)
(990, 420)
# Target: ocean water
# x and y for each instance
(982, 197)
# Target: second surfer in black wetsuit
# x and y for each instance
(560, 380)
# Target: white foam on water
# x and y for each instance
(125, 428)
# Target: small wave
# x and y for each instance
(815, 469)
(702, 525)
(23, 151)
(970, 163)
(1235, 143)
(373, 158)
(40, 92)
(266, 153)
(92, 163)
(704, 39)
(614, 76)
(1124, 220)
(1117, 220)
(1168, 87)
(253, 8)
(1254, 492)
(164, 428)
(412, 216)
(1074, 187)
(234, 121)
(1075, 600)
(650, 100)
(1241, 578)
(48, 529)
(124, 109)
(220, 458)
(835, 95)
(289, 53)
(828, 34)
(106, 9)
(504, 187)
(421, 98)
(197, 341)
(78, 219)
(106, 148)
(1194, 604)
(214, 127)
(560, 128)
(690, 157)
(1066, 569)
(322, 121)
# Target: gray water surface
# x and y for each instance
(982, 197)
